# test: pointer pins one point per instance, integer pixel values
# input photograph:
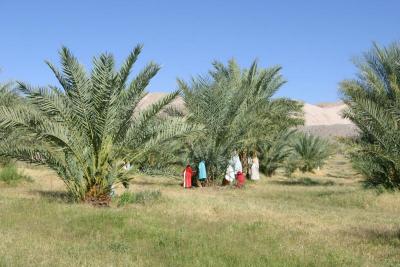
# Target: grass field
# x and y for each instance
(321, 219)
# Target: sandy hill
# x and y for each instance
(154, 97)
(322, 119)
(324, 115)
(325, 120)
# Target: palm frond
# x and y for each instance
(373, 101)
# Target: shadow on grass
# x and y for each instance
(342, 175)
(305, 181)
(332, 193)
(55, 196)
(335, 176)
(381, 236)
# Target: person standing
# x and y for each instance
(229, 175)
(255, 173)
(237, 164)
(187, 177)
(202, 172)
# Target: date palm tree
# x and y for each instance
(88, 129)
(309, 152)
(275, 151)
(234, 109)
(8, 97)
(373, 101)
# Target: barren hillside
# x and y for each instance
(323, 119)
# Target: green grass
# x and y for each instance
(144, 197)
(317, 220)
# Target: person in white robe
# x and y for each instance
(230, 174)
(254, 171)
(237, 165)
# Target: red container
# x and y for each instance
(240, 179)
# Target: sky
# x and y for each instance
(314, 41)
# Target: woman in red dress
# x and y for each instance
(187, 177)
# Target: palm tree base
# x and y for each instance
(97, 197)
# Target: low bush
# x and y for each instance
(290, 166)
(11, 176)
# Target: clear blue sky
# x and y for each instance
(314, 41)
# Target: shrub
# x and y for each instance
(11, 176)
(4, 161)
(290, 166)
(143, 197)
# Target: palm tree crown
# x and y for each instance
(234, 109)
(373, 101)
(88, 129)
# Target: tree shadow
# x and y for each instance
(330, 193)
(335, 176)
(346, 176)
(379, 236)
(305, 181)
(55, 196)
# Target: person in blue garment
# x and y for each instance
(202, 172)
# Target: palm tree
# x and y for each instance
(308, 152)
(9, 98)
(373, 101)
(92, 126)
(275, 151)
(233, 109)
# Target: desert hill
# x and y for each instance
(322, 119)
(325, 120)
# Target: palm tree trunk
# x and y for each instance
(97, 196)
(243, 158)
